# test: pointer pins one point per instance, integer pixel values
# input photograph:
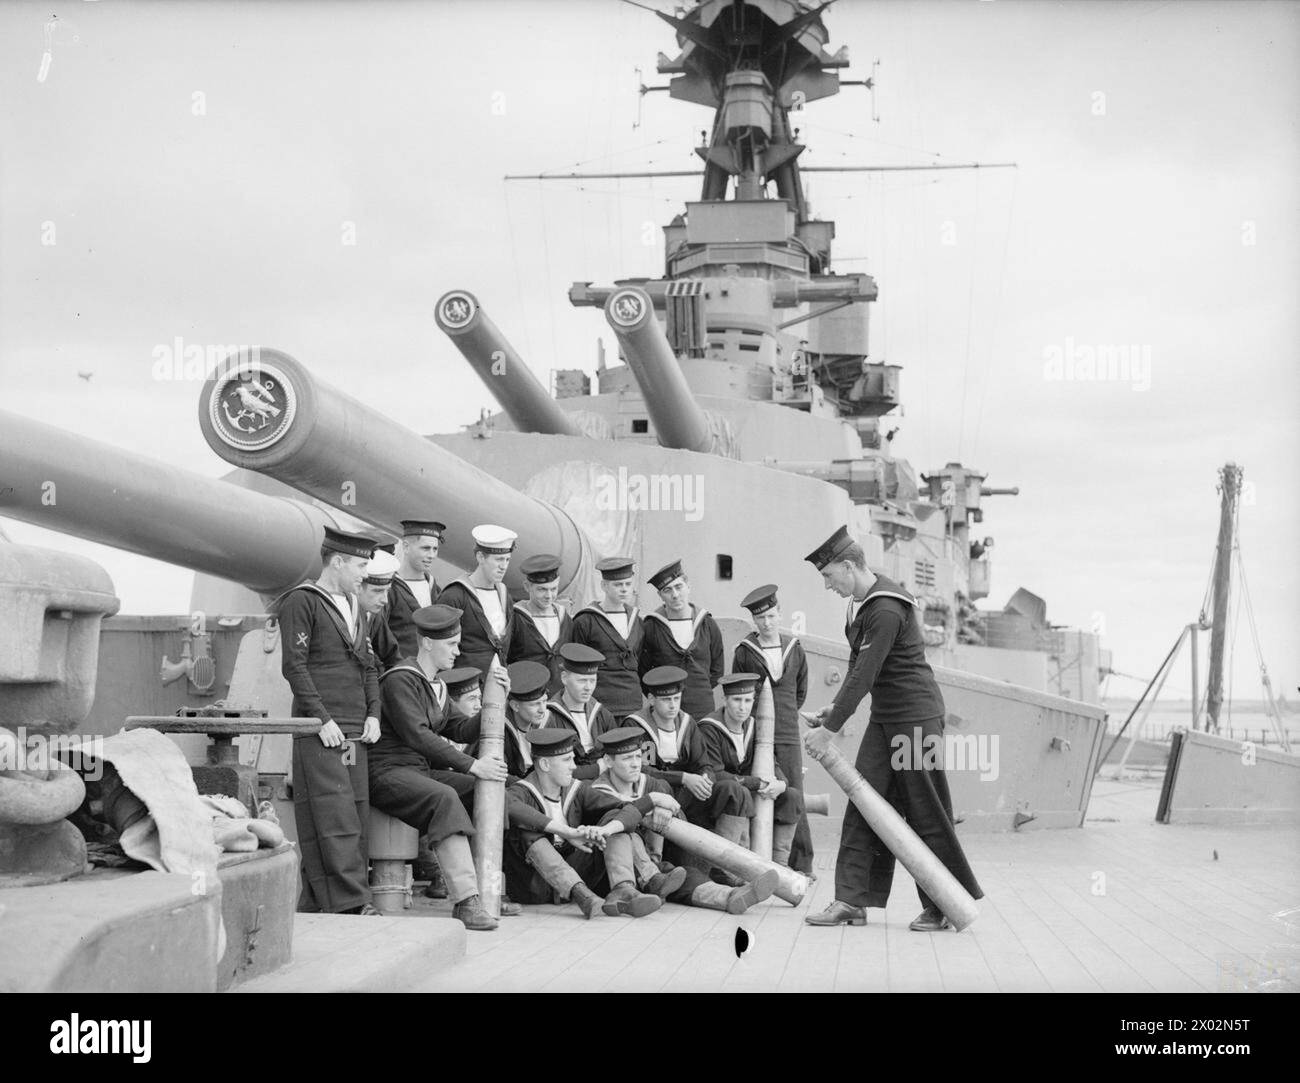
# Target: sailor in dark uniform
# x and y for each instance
(542, 625)
(675, 878)
(465, 689)
(413, 585)
(576, 709)
(887, 661)
(564, 844)
(372, 596)
(780, 660)
(613, 627)
(419, 776)
(673, 750)
(729, 752)
(483, 599)
(680, 634)
(328, 663)
(526, 709)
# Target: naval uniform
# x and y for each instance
(667, 755)
(402, 604)
(328, 663)
(672, 854)
(416, 773)
(479, 640)
(731, 758)
(887, 660)
(539, 639)
(700, 655)
(618, 681)
(786, 668)
(386, 649)
(585, 727)
(529, 813)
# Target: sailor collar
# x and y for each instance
(697, 615)
(605, 784)
(631, 613)
(787, 644)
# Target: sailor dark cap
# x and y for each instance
(493, 540)
(350, 545)
(430, 527)
(542, 568)
(437, 621)
(666, 575)
(664, 681)
(528, 680)
(623, 739)
(381, 569)
(737, 684)
(551, 742)
(830, 549)
(615, 567)
(579, 658)
(760, 599)
(461, 680)
(384, 543)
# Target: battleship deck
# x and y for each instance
(1121, 905)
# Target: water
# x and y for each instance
(1244, 722)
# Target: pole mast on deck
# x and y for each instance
(1229, 488)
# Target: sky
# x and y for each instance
(196, 170)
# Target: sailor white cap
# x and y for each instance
(493, 539)
(382, 567)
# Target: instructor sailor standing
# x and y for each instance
(887, 660)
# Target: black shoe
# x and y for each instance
(665, 883)
(510, 909)
(839, 913)
(930, 920)
(471, 913)
(586, 900)
(626, 900)
(437, 888)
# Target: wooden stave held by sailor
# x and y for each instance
(764, 767)
(917, 858)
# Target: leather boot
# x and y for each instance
(930, 920)
(586, 900)
(782, 841)
(625, 899)
(839, 913)
(666, 881)
(560, 876)
(761, 887)
(471, 913)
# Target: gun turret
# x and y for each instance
(310, 435)
(511, 382)
(104, 494)
(678, 419)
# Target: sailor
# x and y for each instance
(465, 691)
(414, 586)
(576, 709)
(526, 709)
(372, 596)
(680, 634)
(622, 777)
(542, 625)
(330, 669)
(780, 660)
(484, 600)
(567, 842)
(419, 776)
(613, 626)
(729, 752)
(672, 745)
(887, 661)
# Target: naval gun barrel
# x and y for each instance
(511, 382)
(264, 411)
(54, 479)
(678, 419)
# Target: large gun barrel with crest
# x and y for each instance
(346, 454)
(679, 420)
(501, 369)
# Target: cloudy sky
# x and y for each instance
(199, 167)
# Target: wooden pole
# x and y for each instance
(928, 871)
(764, 766)
(1229, 486)
(738, 861)
(490, 797)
